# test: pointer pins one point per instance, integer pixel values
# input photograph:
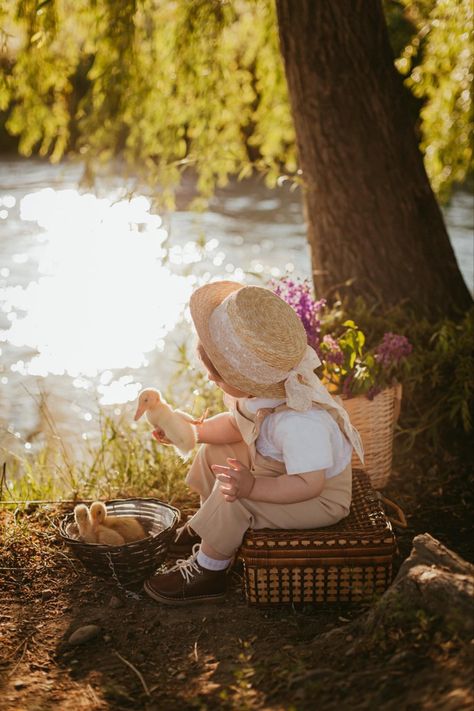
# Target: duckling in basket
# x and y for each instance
(127, 527)
(92, 532)
(83, 521)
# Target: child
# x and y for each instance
(281, 456)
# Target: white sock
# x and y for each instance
(211, 563)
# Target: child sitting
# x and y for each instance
(281, 456)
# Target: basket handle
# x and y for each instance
(401, 521)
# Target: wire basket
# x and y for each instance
(131, 564)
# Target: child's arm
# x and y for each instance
(220, 429)
(237, 482)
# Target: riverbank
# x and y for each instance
(226, 656)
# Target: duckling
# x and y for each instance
(127, 527)
(109, 537)
(84, 523)
(93, 533)
(176, 425)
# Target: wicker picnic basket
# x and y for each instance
(348, 562)
(375, 419)
(128, 565)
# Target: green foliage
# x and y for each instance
(438, 62)
(438, 382)
(171, 86)
(168, 86)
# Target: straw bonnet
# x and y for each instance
(267, 328)
(257, 344)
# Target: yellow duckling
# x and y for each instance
(127, 527)
(90, 532)
(83, 521)
(177, 426)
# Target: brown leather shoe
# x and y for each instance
(184, 541)
(187, 583)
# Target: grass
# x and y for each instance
(123, 461)
(126, 461)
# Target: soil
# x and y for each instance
(227, 656)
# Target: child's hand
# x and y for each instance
(236, 480)
(160, 437)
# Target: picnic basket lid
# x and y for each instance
(364, 531)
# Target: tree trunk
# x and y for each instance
(435, 579)
(374, 225)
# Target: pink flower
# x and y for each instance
(331, 351)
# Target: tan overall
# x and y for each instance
(222, 524)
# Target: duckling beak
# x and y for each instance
(140, 411)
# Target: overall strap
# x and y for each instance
(265, 411)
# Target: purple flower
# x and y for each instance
(392, 349)
(298, 295)
(373, 391)
(347, 384)
(331, 351)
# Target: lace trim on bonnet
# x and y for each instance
(302, 385)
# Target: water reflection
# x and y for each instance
(93, 287)
(102, 297)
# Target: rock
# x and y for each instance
(84, 634)
(19, 684)
(181, 676)
(46, 595)
(115, 602)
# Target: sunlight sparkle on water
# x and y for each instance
(103, 297)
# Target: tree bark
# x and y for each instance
(374, 225)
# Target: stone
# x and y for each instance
(84, 634)
(115, 602)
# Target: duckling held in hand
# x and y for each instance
(176, 425)
(126, 527)
(84, 524)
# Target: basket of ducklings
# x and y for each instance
(124, 539)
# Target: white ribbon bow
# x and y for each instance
(303, 388)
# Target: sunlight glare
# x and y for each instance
(103, 297)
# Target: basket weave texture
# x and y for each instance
(130, 564)
(375, 420)
(348, 562)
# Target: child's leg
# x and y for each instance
(222, 524)
(200, 477)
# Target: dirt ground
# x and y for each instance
(227, 656)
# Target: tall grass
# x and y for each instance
(123, 461)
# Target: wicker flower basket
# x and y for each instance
(375, 419)
(128, 565)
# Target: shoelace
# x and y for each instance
(187, 566)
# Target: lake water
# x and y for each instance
(94, 287)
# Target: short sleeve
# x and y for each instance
(305, 443)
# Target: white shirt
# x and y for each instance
(304, 441)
